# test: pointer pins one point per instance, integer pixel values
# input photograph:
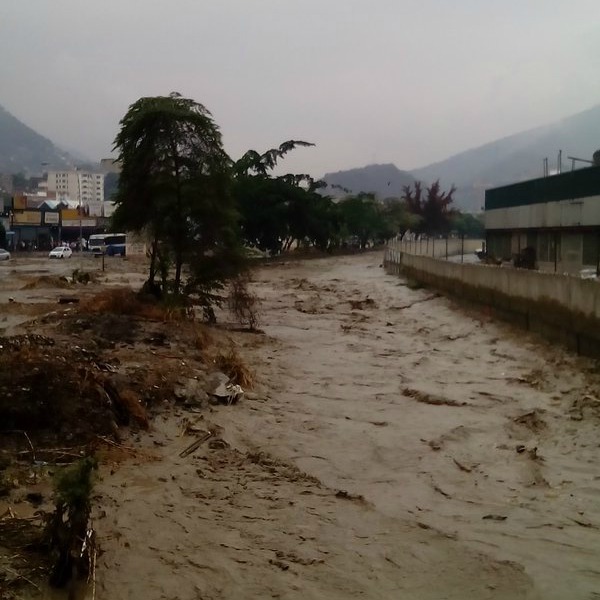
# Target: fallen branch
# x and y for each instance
(462, 467)
(426, 398)
(93, 570)
(28, 441)
(195, 445)
(439, 490)
(31, 446)
(57, 451)
(16, 574)
(8, 513)
(114, 444)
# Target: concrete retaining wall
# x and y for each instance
(560, 307)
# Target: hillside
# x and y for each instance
(382, 180)
(24, 150)
(516, 157)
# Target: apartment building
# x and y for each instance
(81, 186)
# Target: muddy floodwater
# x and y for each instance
(397, 445)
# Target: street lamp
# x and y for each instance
(80, 209)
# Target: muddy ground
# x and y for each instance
(395, 445)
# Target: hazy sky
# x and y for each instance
(403, 81)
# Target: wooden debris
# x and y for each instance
(439, 490)
(20, 576)
(433, 399)
(195, 445)
(462, 467)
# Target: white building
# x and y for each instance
(81, 186)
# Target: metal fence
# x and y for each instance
(442, 248)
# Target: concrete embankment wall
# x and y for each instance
(560, 307)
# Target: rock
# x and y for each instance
(191, 392)
(214, 380)
(227, 394)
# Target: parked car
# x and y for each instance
(61, 252)
(4, 254)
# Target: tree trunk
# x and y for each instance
(153, 257)
(178, 263)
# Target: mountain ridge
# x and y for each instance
(381, 179)
(22, 149)
(509, 159)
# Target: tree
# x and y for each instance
(432, 207)
(397, 218)
(175, 186)
(280, 211)
(111, 185)
(2, 236)
(362, 218)
(468, 225)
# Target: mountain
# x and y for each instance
(515, 158)
(382, 180)
(24, 150)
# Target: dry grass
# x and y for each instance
(203, 338)
(44, 281)
(109, 452)
(244, 304)
(131, 403)
(124, 301)
(233, 365)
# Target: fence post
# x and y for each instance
(427, 246)
(462, 248)
(598, 256)
(446, 246)
(433, 247)
(420, 245)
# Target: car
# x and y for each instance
(61, 252)
(4, 254)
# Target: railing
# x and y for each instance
(443, 248)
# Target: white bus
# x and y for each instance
(108, 243)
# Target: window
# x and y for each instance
(548, 241)
(591, 248)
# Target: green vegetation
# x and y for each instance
(175, 186)
(198, 208)
(468, 225)
(276, 211)
(68, 527)
(432, 207)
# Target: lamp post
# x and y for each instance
(80, 209)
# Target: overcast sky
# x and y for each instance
(403, 81)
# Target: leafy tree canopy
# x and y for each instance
(280, 211)
(468, 225)
(175, 185)
(432, 206)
